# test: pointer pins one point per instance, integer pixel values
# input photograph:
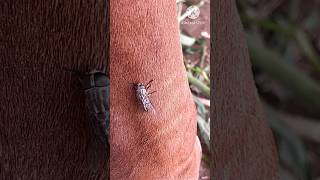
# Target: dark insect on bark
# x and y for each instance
(96, 89)
(143, 95)
(95, 86)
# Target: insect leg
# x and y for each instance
(151, 93)
(133, 85)
(148, 85)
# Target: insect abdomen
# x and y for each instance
(96, 87)
(97, 105)
(143, 98)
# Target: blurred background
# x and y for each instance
(283, 38)
(194, 20)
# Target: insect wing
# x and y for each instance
(149, 107)
(97, 105)
(143, 97)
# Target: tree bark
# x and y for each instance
(44, 125)
(243, 146)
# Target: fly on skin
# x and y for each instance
(143, 95)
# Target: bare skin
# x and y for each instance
(145, 45)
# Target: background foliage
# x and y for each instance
(195, 40)
(283, 41)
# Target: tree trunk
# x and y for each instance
(44, 125)
(242, 143)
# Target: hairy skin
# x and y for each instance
(144, 45)
(44, 125)
(242, 143)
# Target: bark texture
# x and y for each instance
(44, 125)
(145, 45)
(242, 143)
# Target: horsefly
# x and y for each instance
(95, 86)
(143, 96)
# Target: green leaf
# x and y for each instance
(187, 40)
